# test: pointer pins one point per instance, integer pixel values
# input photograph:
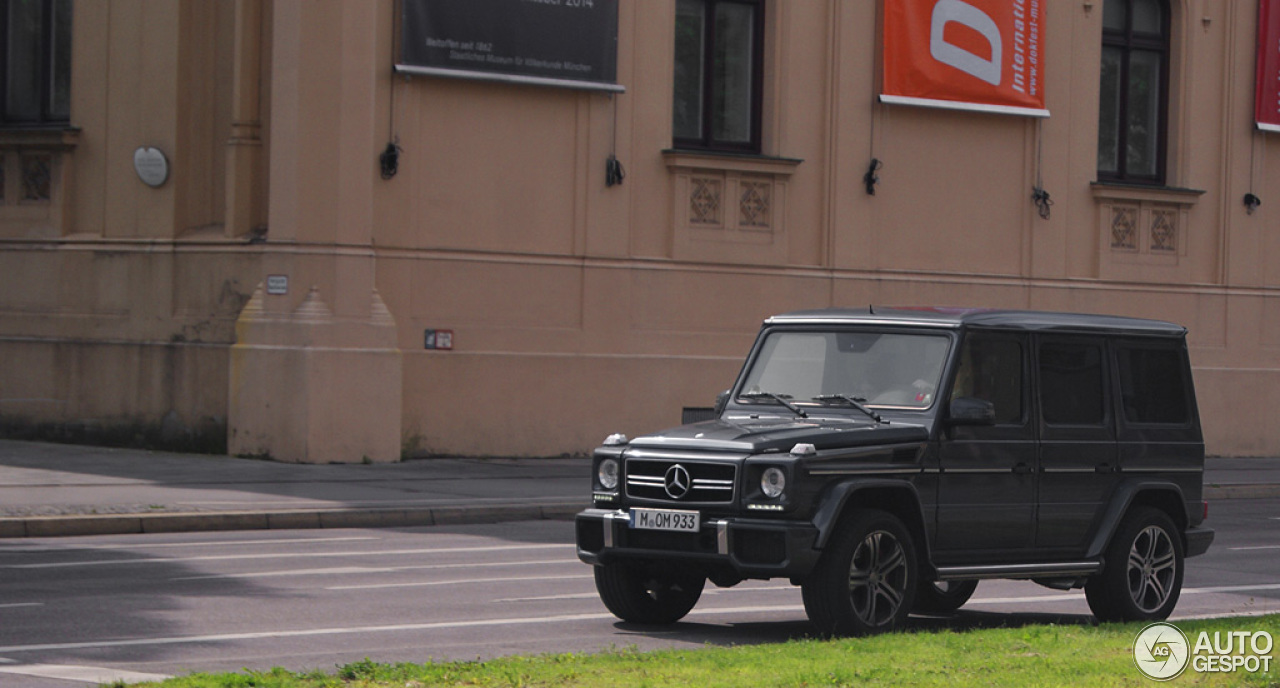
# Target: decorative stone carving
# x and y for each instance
(704, 200)
(1124, 228)
(1164, 230)
(754, 205)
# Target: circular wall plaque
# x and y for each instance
(152, 166)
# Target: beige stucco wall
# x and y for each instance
(579, 309)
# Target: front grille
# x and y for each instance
(681, 481)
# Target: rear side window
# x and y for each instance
(1153, 385)
(1071, 383)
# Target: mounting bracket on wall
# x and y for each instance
(1041, 198)
(389, 159)
(870, 179)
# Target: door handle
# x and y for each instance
(1021, 468)
(1103, 468)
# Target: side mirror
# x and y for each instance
(971, 411)
(722, 400)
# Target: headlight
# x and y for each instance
(607, 473)
(773, 482)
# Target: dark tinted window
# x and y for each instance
(991, 370)
(1071, 384)
(35, 62)
(1133, 97)
(718, 74)
(1152, 385)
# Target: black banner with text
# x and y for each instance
(571, 43)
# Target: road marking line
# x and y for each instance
(1219, 615)
(1245, 549)
(1066, 597)
(45, 549)
(336, 571)
(398, 628)
(1072, 597)
(590, 595)
(423, 584)
(221, 543)
(21, 604)
(387, 569)
(87, 674)
(1230, 588)
(284, 555)
(575, 596)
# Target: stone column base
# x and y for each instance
(307, 387)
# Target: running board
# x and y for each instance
(1055, 570)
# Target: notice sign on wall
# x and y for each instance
(1268, 92)
(984, 55)
(565, 43)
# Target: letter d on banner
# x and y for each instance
(961, 12)
(935, 55)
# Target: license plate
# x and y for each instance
(665, 519)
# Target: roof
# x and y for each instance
(955, 318)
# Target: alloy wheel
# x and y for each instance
(878, 578)
(1152, 567)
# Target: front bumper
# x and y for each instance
(752, 548)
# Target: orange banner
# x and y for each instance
(1268, 93)
(985, 55)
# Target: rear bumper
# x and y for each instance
(1198, 540)
(752, 548)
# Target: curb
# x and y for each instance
(129, 524)
(1242, 491)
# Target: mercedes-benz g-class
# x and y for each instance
(885, 460)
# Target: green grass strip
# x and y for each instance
(1026, 656)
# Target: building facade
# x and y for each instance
(201, 246)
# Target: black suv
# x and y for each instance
(887, 460)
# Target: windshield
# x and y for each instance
(879, 369)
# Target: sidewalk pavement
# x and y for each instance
(55, 489)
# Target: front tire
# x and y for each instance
(646, 594)
(865, 581)
(1143, 575)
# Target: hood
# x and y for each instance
(757, 436)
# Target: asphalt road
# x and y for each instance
(79, 610)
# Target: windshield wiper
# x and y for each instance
(778, 398)
(855, 402)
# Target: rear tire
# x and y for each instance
(646, 593)
(865, 581)
(943, 597)
(1143, 575)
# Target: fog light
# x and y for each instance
(773, 482)
(607, 473)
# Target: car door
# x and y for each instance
(1078, 454)
(986, 483)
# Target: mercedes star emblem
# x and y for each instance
(678, 482)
